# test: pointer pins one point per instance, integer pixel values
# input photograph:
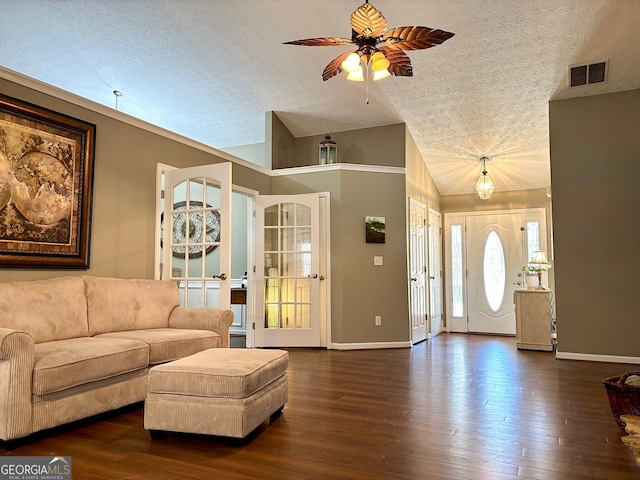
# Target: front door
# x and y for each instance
(288, 271)
(417, 269)
(435, 272)
(196, 234)
(494, 258)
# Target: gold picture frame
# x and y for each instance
(46, 182)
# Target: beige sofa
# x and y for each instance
(72, 347)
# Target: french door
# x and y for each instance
(494, 257)
(289, 274)
(417, 269)
(196, 233)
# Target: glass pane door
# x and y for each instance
(196, 234)
(288, 271)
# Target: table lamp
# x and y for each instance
(540, 263)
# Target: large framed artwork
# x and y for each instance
(46, 181)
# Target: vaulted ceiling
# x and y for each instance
(210, 69)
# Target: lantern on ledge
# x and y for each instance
(327, 151)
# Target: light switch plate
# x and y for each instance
(377, 260)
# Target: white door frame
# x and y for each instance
(325, 238)
(458, 323)
(435, 235)
(509, 240)
(324, 271)
(417, 269)
(251, 194)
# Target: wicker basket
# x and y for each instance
(624, 397)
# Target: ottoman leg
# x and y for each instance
(236, 442)
(276, 414)
(157, 434)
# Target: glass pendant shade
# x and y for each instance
(351, 63)
(357, 75)
(379, 62)
(379, 75)
(485, 186)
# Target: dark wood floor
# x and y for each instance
(456, 407)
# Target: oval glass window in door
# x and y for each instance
(493, 271)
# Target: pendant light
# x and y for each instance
(485, 186)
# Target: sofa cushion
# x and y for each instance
(48, 310)
(68, 363)
(117, 305)
(167, 344)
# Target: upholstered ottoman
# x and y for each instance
(221, 391)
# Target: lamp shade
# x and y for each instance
(539, 260)
(379, 62)
(357, 75)
(351, 63)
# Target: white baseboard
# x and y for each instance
(369, 346)
(590, 357)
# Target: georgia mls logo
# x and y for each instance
(59, 464)
(35, 468)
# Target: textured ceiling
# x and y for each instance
(210, 69)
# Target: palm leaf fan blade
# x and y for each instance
(368, 21)
(415, 38)
(399, 62)
(334, 67)
(321, 42)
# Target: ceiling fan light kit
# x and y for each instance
(379, 50)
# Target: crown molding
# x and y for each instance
(352, 167)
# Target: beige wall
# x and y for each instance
(420, 185)
(382, 146)
(595, 167)
(123, 220)
(279, 143)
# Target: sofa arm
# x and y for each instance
(207, 318)
(16, 371)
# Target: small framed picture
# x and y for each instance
(374, 229)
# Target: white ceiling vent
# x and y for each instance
(587, 74)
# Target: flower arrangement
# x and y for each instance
(531, 270)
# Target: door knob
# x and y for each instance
(432, 278)
(222, 276)
(413, 279)
(517, 283)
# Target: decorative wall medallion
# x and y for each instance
(201, 229)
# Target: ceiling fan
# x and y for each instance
(379, 48)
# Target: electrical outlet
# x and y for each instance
(378, 320)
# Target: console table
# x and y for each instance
(533, 319)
